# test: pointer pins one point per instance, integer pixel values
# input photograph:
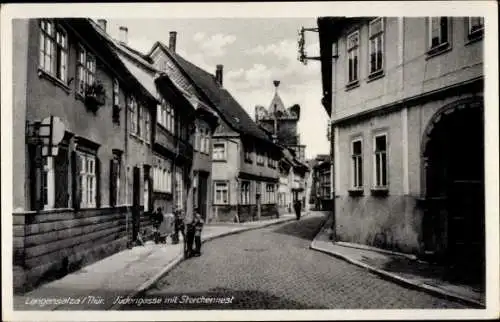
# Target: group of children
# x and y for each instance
(172, 224)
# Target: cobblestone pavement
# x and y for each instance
(273, 268)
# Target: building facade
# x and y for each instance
(70, 203)
(322, 183)
(403, 95)
(166, 60)
(281, 124)
(90, 138)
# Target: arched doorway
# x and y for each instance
(453, 174)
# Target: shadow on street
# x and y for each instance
(305, 228)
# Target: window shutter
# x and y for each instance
(61, 178)
(151, 199)
(98, 182)
(112, 183)
(75, 167)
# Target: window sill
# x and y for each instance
(221, 204)
(375, 75)
(438, 50)
(352, 85)
(138, 138)
(219, 160)
(380, 192)
(55, 80)
(475, 37)
(260, 164)
(356, 192)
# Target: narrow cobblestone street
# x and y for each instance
(273, 268)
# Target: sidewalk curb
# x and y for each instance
(400, 280)
(177, 260)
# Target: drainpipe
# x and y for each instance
(333, 227)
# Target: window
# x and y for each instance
(201, 138)
(438, 32)
(357, 165)
(48, 183)
(115, 170)
(380, 161)
(147, 125)
(146, 190)
(352, 57)
(197, 139)
(134, 115)
(219, 151)
(166, 116)
(376, 44)
(245, 192)
(221, 193)
(248, 154)
(116, 93)
(475, 26)
(270, 195)
(87, 180)
(179, 186)
(53, 50)
(86, 69)
(260, 158)
(206, 138)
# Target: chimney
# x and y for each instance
(102, 23)
(123, 34)
(172, 41)
(218, 74)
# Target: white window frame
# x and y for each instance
(116, 92)
(133, 109)
(356, 165)
(260, 158)
(373, 37)
(223, 155)
(441, 44)
(349, 50)
(86, 69)
(179, 187)
(48, 180)
(245, 193)
(378, 167)
(147, 193)
(473, 33)
(146, 117)
(53, 50)
(88, 191)
(222, 187)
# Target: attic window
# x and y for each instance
(237, 120)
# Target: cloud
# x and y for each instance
(141, 44)
(214, 45)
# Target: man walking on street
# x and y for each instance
(297, 207)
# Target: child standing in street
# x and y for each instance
(198, 227)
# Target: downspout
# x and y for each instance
(333, 227)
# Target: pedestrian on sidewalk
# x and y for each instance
(297, 207)
(179, 226)
(157, 220)
(190, 232)
(198, 227)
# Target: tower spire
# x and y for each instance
(275, 114)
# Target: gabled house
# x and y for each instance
(244, 175)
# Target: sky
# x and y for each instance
(254, 52)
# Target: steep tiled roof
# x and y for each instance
(231, 111)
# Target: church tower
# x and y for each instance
(281, 122)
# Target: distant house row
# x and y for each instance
(104, 135)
